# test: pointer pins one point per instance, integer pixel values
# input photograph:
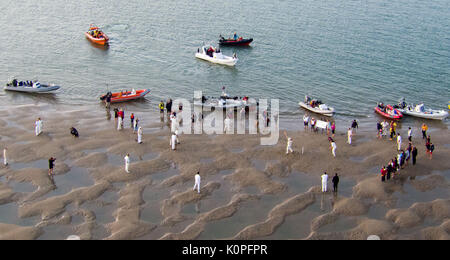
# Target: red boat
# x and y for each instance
(126, 95)
(388, 111)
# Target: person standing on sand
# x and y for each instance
(424, 131)
(161, 109)
(333, 146)
(324, 182)
(333, 129)
(197, 180)
(410, 134)
(385, 126)
(349, 136)
(399, 142)
(116, 115)
(108, 100)
(379, 130)
(305, 121)
(389, 170)
(173, 141)
(139, 135)
(431, 150)
(120, 121)
(383, 174)
(51, 164)
(414, 155)
(355, 125)
(5, 159)
(135, 125)
(289, 144)
(127, 163)
(335, 181)
(132, 120)
(169, 107)
(38, 126)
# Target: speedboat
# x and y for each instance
(224, 101)
(420, 111)
(96, 35)
(30, 87)
(126, 95)
(388, 111)
(232, 42)
(316, 106)
(214, 55)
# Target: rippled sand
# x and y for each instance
(248, 191)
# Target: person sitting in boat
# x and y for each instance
(133, 92)
(235, 37)
(14, 82)
(37, 84)
(222, 38)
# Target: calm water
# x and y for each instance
(349, 53)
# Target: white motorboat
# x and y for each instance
(30, 87)
(224, 101)
(215, 55)
(316, 106)
(421, 111)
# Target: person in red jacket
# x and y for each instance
(383, 174)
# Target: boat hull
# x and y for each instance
(127, 96)
(329, 112)
(430, 114)
(41, 90)
(228, 61)
(231, 42)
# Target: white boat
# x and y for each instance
(224, 101)
(214, 55)
(316, 106)
(30, 87)
(420, 111)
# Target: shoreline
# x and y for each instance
(236, 171)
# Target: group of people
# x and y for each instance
(335, 182)
(27, 83)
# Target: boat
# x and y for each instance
(421, 111)
(232, 42)
(96, 35)
(316, 106)
(30, 87)
(214, 55)
(124, 96)
(388, 111)
(224, 101)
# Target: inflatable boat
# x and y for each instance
(95, 35)
(316, 106)
(420, 111)
(388, 111)
(124, 96)
(233, 42)
(30, 87)
(214, 55)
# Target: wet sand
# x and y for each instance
(248, 191)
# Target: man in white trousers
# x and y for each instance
(139, 135)
(120, 123)
(324, 182)
(399, 142)
(197, 182)
(5, 159)
(173, 141)
(349, 136)
(38, 126)
(289, 144)
(333, 147)
(127, 163)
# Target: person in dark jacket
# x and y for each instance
(335, 181)
(74, 132)
(414, 155)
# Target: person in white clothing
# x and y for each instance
(120, 123)
(349, 136)
(305, 121)
(324, 182)
(227, 125)
(173, 123)
(38, 126)
(139, 135)
(399, 142)
(127, 163)
(173, 141)
(289, 144)
(197, 182)
(333, 147)
(5, 159)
